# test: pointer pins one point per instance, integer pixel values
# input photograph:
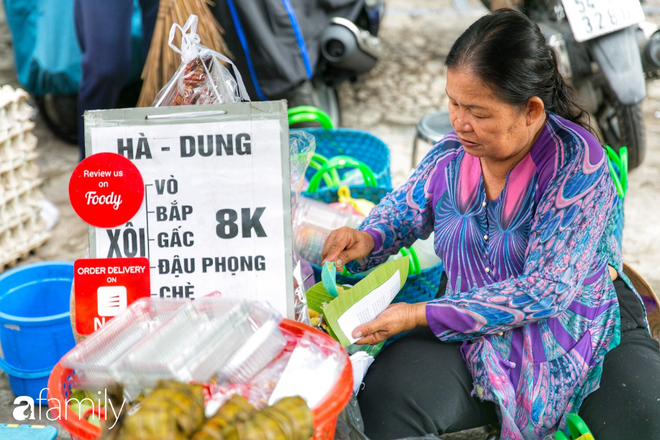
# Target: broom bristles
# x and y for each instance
(162, 62)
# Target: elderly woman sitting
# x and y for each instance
(538, 320)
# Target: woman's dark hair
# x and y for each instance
(507, 51)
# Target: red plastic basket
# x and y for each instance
(325, 414)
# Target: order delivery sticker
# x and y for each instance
(105, 287)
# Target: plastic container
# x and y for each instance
(94, 359)
(313, 222)
(324, 415)
(194, 344)
(27, 432)
(264, 345)
(35, 327)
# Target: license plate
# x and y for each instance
(593, 18)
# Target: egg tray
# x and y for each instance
(21, 228)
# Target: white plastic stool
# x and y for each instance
(431, 128)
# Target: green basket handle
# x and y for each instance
(308, 113)
(332, 179)
(414, 268)
(417, 270)
(577, 427)
(621, 161)
(342, 162)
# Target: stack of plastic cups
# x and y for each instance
(312, 223)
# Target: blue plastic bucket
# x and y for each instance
(35, 326)
(29, 383)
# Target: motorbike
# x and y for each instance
(301, 50)
(607, 51)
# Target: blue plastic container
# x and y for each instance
(27, 432)
(35, 326)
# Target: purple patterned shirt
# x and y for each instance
(528, 287)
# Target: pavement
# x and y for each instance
(406, 84)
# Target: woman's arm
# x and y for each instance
(568, 224)
(404, 215)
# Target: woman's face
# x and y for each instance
(487, 126)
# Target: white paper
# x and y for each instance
(369, 307)
(308, 375)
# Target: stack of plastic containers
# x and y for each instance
(21, 228)
(230, 340)
(95, 358)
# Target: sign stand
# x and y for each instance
(216, 214)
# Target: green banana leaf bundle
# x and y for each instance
(172, 411)
(288, 419)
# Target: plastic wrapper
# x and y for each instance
(361, 361)
(312, 371)
(350, 425)
(201, 78)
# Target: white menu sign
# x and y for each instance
(216, 213)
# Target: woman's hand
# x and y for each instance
(397, 318)
(346, 244)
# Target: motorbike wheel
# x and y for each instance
(60, 112)
(624, 125)
(328, 101)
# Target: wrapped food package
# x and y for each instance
(201, 78)
(288, 419)
(236, 410)
(172, 411)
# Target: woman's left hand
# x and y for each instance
(397, 318)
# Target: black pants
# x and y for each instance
(419, 385)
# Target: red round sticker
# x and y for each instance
(106, 190)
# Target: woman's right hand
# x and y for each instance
(346, 244)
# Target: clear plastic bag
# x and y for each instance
(313, 369)
(201, 78)
(350, 425)
(301, 150)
